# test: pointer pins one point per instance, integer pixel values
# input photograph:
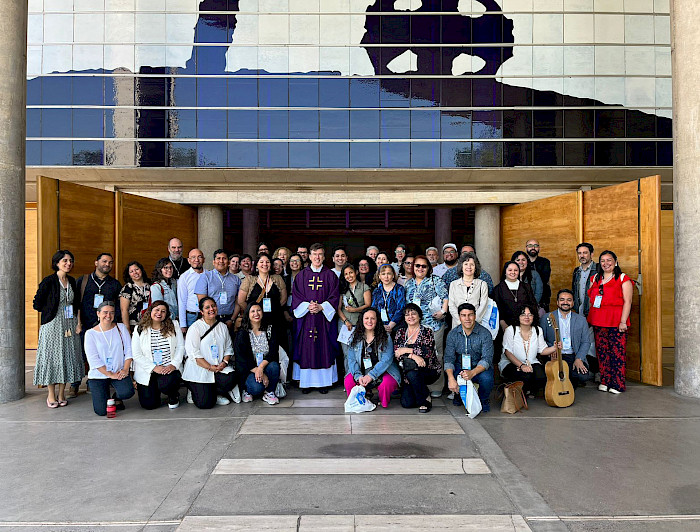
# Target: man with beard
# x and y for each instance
(303, 252)
(449, 256)
(543, 267)
(95, 288)
(573, 331)
(187, 302)
(583, 275)
(180, 264)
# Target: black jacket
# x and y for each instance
(48, 296)
(243, 352)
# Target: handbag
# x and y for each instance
(513, 397)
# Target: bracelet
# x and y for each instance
(519, 367)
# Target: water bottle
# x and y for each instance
(111, 408)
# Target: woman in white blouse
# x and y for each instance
(469, 288)
(158, 348)
(521, 345)
(108, 351)
(208, 346)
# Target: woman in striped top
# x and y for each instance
(158, 348)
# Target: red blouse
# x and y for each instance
(610, 311)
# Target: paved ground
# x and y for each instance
(625, 462)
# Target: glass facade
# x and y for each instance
(349, 83)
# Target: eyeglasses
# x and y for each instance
(420, 265)
(532, 246)
(526, 315)
(408, 263)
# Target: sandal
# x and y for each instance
(51, 404)
(62, 402)
(424, 409)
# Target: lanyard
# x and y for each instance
(99, 286)
(386, 297)
(108, 342)
(413, 337)
(221, 278)
(466, 342)
(265, 287)
(175, 265)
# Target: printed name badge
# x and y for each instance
(258, 358)
(108, 363)
(99, 298)
(145, 306)
(367, 363)
(68, 312)
(598, 300)
(267, 304)
(466, 362)
(566, 343)
(215, 353)
(223, 298)
(385, 315)
(158, 356)
(345, 301)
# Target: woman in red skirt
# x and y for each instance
(610, 295)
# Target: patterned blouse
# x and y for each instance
(428, 289)
(423, 346)
(393, 302)
(138, 300)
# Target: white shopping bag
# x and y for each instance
(491, 318)
(470, 398)
(357, 402)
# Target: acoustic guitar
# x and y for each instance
(559, 391)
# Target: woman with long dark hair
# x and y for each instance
(366, 270)
(164, 285)
(133, 299)
(158, 348)
(355, 296)
(610, 297)
(371, 358)
(59, 358)
(528, 274)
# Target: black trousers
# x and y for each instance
(532, 382)
(415, 393)
(204, 393)
(149, 396)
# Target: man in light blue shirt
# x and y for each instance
(221, 285)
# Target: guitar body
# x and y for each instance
(559, 391)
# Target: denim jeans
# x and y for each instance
(190, 318)
(99, 388)
(255, 388)
(485, 382)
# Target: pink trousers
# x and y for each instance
(385, 389)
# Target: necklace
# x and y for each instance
(515, 294)
(411, 336)
(526, 344)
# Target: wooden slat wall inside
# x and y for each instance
(86, 217)
(650, 240)
(552, 221)
(144, 227)
(610, 221)
(667, 286)
(31, 276)
(47, 222)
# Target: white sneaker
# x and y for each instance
(174, 404)
(235, 394)
(221, 400)
(614, 391)
(602, 388)
(270, 398)
(247, 398)
(451, 395)
(189, 397)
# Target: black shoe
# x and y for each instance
(323, 391)
(306, 391)
(120, 405)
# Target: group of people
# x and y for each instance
(414, 326)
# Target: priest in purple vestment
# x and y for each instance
(315, 298)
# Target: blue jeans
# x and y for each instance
(255, 388)
(190, 318)
(100, 392)
(485, 382)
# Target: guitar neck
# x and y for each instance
(557, 340)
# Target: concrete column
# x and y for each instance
(685, 42)
(443, 228)
(210, 226)
(13, 100)
(487, 238)
(251, 231)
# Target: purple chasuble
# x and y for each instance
(316, 344)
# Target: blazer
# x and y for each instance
(576, 280)
(580, 341)
(143, 356)
(387, 362)
(243, 352)
(48, 296)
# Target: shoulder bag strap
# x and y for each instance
(210, 329)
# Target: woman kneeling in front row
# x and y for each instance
(158, 348)
(257, 357)
(371, 358)
(108, 351)
(207, 373)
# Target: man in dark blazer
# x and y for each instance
(573, 330)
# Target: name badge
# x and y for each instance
(466, 362)
(345, 301)
(385, 315)
(259, 358)
(108, 363)
(367, 363)
(144, 306)
(289, 301)
(215, 353)
(158, 357)
(68, 312)
(267, 304)
(566, 344)
(598, 300)
(99, 298)
(223, 298)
